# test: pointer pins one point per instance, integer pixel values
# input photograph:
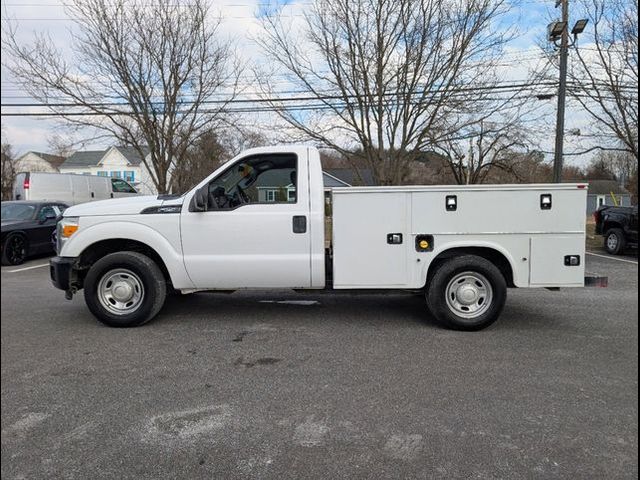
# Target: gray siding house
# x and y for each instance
(602, 192)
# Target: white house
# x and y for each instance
(117, 162)
(39, 162)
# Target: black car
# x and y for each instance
(28, 228)
(618, 226)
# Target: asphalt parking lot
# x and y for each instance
(299, 386)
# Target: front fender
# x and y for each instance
(170, 253)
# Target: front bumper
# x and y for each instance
(61, 269)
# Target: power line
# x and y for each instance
(505, 88)
(513, 87)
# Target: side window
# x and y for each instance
(260, 179)
(121, 186)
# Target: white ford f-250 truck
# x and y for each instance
(259, 222)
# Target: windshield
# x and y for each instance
(17, 211)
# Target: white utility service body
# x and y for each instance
(505, 218)
(382, 237)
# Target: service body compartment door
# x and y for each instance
(548, 254)
(363, 255)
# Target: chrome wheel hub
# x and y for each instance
(120, 291)
(469, 295)
(612, 242)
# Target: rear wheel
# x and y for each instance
(467, 293)
(614, 241)
(15, 250)
(124, 289)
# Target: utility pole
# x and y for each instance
(562, 93)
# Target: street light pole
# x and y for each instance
(562, 93)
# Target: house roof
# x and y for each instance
(604, 187)
(330, 181)
(132, 155)
(87, 158)
(53, 160)
(349, 176)
(92, 158)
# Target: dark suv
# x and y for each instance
(619, 226)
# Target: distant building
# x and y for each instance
(331, 181)
(39, 162)
(601, 192)
(364, 177)
(116, 162)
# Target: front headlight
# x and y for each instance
(64, 230)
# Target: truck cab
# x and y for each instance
(263, 221)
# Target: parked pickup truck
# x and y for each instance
(258, 222)
(618, 226)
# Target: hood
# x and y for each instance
(119, 206)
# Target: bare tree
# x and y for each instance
(142, 72)
(202, 158)
(488, 146)
(389, 78)
(599, 169)
(623, 165)
(606, 75)
(8, 170)
(60, 145)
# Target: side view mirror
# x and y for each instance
(200, 199)
(48, 216)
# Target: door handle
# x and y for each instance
(299, 224)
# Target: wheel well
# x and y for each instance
(609, 225)
(99, 249)
(490, 254)
(19, 233)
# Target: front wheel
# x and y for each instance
(15, 249)
(467, 293)
(124, 289)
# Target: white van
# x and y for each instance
(70, 188)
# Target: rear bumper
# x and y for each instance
(60, 269)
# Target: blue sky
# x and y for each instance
(239, 20)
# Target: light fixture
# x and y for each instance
(579, 27)
(556, 29)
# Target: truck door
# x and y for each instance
(255, 231)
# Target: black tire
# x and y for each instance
(614, 241)
(467, 271)
(147, 275)
(15, 249)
